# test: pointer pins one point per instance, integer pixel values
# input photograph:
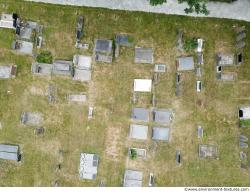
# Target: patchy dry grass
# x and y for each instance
(67, 130)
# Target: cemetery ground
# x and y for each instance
(68, 132)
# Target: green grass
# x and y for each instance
(67, 128)
(245, 123)
(44, 57)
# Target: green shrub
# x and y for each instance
(44, 57)
(133, 154)
(197, 6)
(157, 2)
(190, 44)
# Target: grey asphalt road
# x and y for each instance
(239, 10)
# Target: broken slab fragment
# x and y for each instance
(80, 98)
(208, 151)
(32, 118)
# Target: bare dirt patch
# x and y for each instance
(50, 147)
(113, 148)
(33, 90)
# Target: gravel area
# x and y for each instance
(239, 10)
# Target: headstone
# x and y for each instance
(151, 182)
(90, 114)
(153, 100)
(156, 78)
(39, 42)
(239, 58)
(179, 44)
(135, 97)
(243, 155)
(178, 78)
(178, 91)
(200, 58)
(80, 98)
(82, 45)
(58, 167)
(154, 147)
(241, 36)
(200, 132)
(218, 69)
(117, 50)
(160, 68)
(51, 94)
(39, 131)
(240, 29)
(102, 183)
(178, 85)
(56, 184)
(178, 157)
(199, 71)
(243, 138)
(243, 145)
(243, 166)
(240, 45)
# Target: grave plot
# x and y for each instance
(32, 118)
